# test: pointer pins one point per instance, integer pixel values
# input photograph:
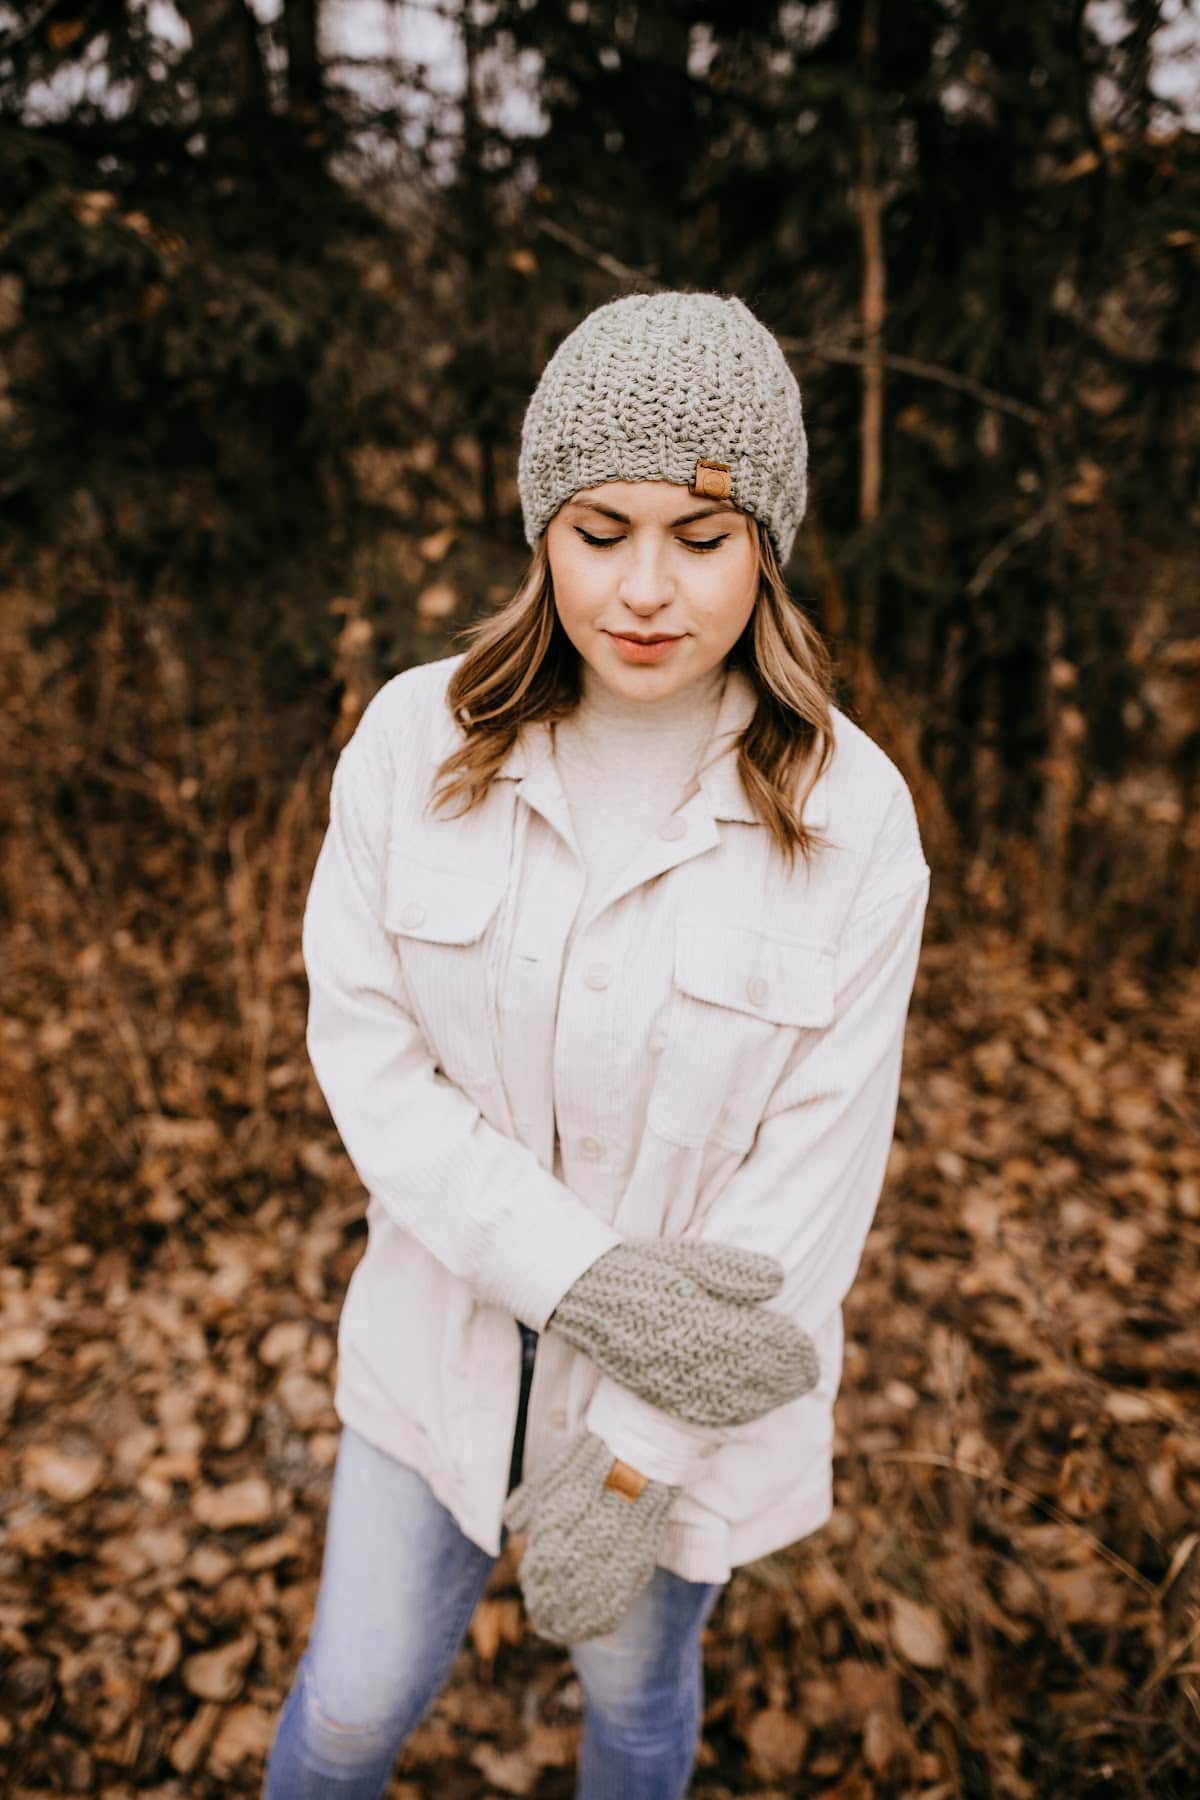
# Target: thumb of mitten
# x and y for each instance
(519, 1507)
(725, 1271)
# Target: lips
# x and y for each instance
(644, 650)
(663, 637)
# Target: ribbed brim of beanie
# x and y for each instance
(646, 386)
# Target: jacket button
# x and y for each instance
(657, 1042)
(710, 1449)
(558, 1418)
(591, 1148)
(756, 988)
(413, 915)
(597, 975)
(674, 827)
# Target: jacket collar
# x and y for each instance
(532, 754)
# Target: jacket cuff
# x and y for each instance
(655, 1442)
(539, 1274)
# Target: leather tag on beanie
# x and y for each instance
(713, 479)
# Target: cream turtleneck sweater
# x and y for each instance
(625, 766)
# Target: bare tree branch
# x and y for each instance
(822, 350)
(1008, 546)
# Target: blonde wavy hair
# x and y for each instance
(520, 666)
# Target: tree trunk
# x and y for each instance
(226, 61)
(660, 137)
(477, 234)
(874, 302)
(305, 77)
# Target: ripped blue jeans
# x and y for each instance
(399, 1585)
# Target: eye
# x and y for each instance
(704, 543)
(601, 543)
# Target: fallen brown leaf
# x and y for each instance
(512, 1771)
(246, 1502)
(217, 1674)
(917, 1632)
(245, 1735)
(189, 1746)
(777, 1743)
(63, 1477)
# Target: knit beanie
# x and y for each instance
(681, 387)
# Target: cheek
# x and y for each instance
(576, 580)
(730, 594)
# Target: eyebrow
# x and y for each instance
(703, 512)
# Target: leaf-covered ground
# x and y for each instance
(1007, 1600)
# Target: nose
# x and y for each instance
(646, 580)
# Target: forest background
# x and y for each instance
(275, 284)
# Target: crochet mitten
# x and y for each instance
(589, 1549)
(680, 1324)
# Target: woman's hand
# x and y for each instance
(681, 1325)
(592, 1533)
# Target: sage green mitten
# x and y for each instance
(589, 1549)
(682, 1326)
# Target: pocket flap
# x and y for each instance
(787, 980)
(437, 906)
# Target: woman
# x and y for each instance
(610, 947)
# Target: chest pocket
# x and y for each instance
(439, 921)
(740, 999)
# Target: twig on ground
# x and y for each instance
(933, 1459)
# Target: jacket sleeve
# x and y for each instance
(807, 1189)
(474, 1198)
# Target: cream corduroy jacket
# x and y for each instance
(719, 1054)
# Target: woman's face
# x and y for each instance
(651, 559)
